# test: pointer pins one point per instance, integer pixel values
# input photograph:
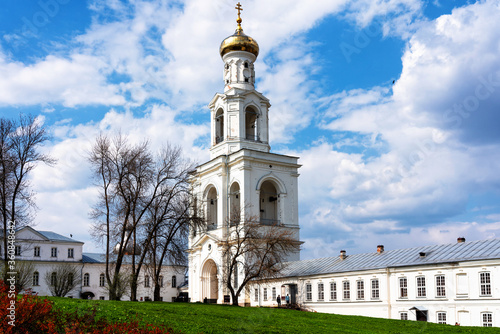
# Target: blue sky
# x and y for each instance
(392, 106)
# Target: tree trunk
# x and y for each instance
(133, 288)
(156, 293)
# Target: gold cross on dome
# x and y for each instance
(238, 7)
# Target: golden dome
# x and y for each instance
(239, 41)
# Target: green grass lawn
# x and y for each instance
(199, 318)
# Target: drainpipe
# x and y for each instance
(81, 279)
(389, 306)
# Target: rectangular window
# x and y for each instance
(101, 280)
(274, 294)
(462, 285)
(71, 253)
(321, 291)
(440, 286)
(375, 289)
(309, 295)
(53, 252)
(36, 277)
(441, 317)
(36, 251)
(487, 319)
(161, 281)
(421, 286)
(101, 297)
(347, 290)
(146, 281)
(256, 295)
(360, 285)
(403, 287)
(404, 315)
(333, 291)
(265, 293)
(17, 251)
(485, 284)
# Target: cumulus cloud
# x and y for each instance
(426, 167)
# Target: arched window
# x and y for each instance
(36, 278)
(86, 279)
(268, 202)
(174, 281)
(219, 126)
(101, 280)
(212, 209)
(234, 198)
(53, 279)
(251, 132)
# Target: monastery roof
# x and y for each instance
(52, 236)
(425, 255)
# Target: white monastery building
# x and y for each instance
(47, 250)
(450, 284)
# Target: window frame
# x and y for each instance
(321, 291)
(421, 286)
(273, 293)
(489, 319)
(486, 285)
(441, 317)
(86, 279)
(174, 281)
(440, 281)
(333, 290)
(309, 292)
(36, 279)
(71, 253)
(403, 290)
(147, 282)
(360, 289)
(264, 293)
(53, 252)
(17, 250)
(403, 315)
(346, 290)
(375, 290)
(102, 280)
(36, 251)
(256, 296)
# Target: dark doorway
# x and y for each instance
(421, 315)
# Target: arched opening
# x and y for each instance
(209, 282)
(251, 117)
(212, 209)
(219, 126)
(269, 200)
(234, 202)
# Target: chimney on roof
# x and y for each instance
(460, 240)
(342, 254)
(380, 249)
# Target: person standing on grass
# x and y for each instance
(278, 300)
(287, 298)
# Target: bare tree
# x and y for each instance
(62, 279)
(251, 250)
(133, 181)
(24, 275)
(122, 285)
(19, 154)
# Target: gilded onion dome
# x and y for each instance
(239, 41)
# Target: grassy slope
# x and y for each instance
(199, 318)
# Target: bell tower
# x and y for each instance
(242, 175)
